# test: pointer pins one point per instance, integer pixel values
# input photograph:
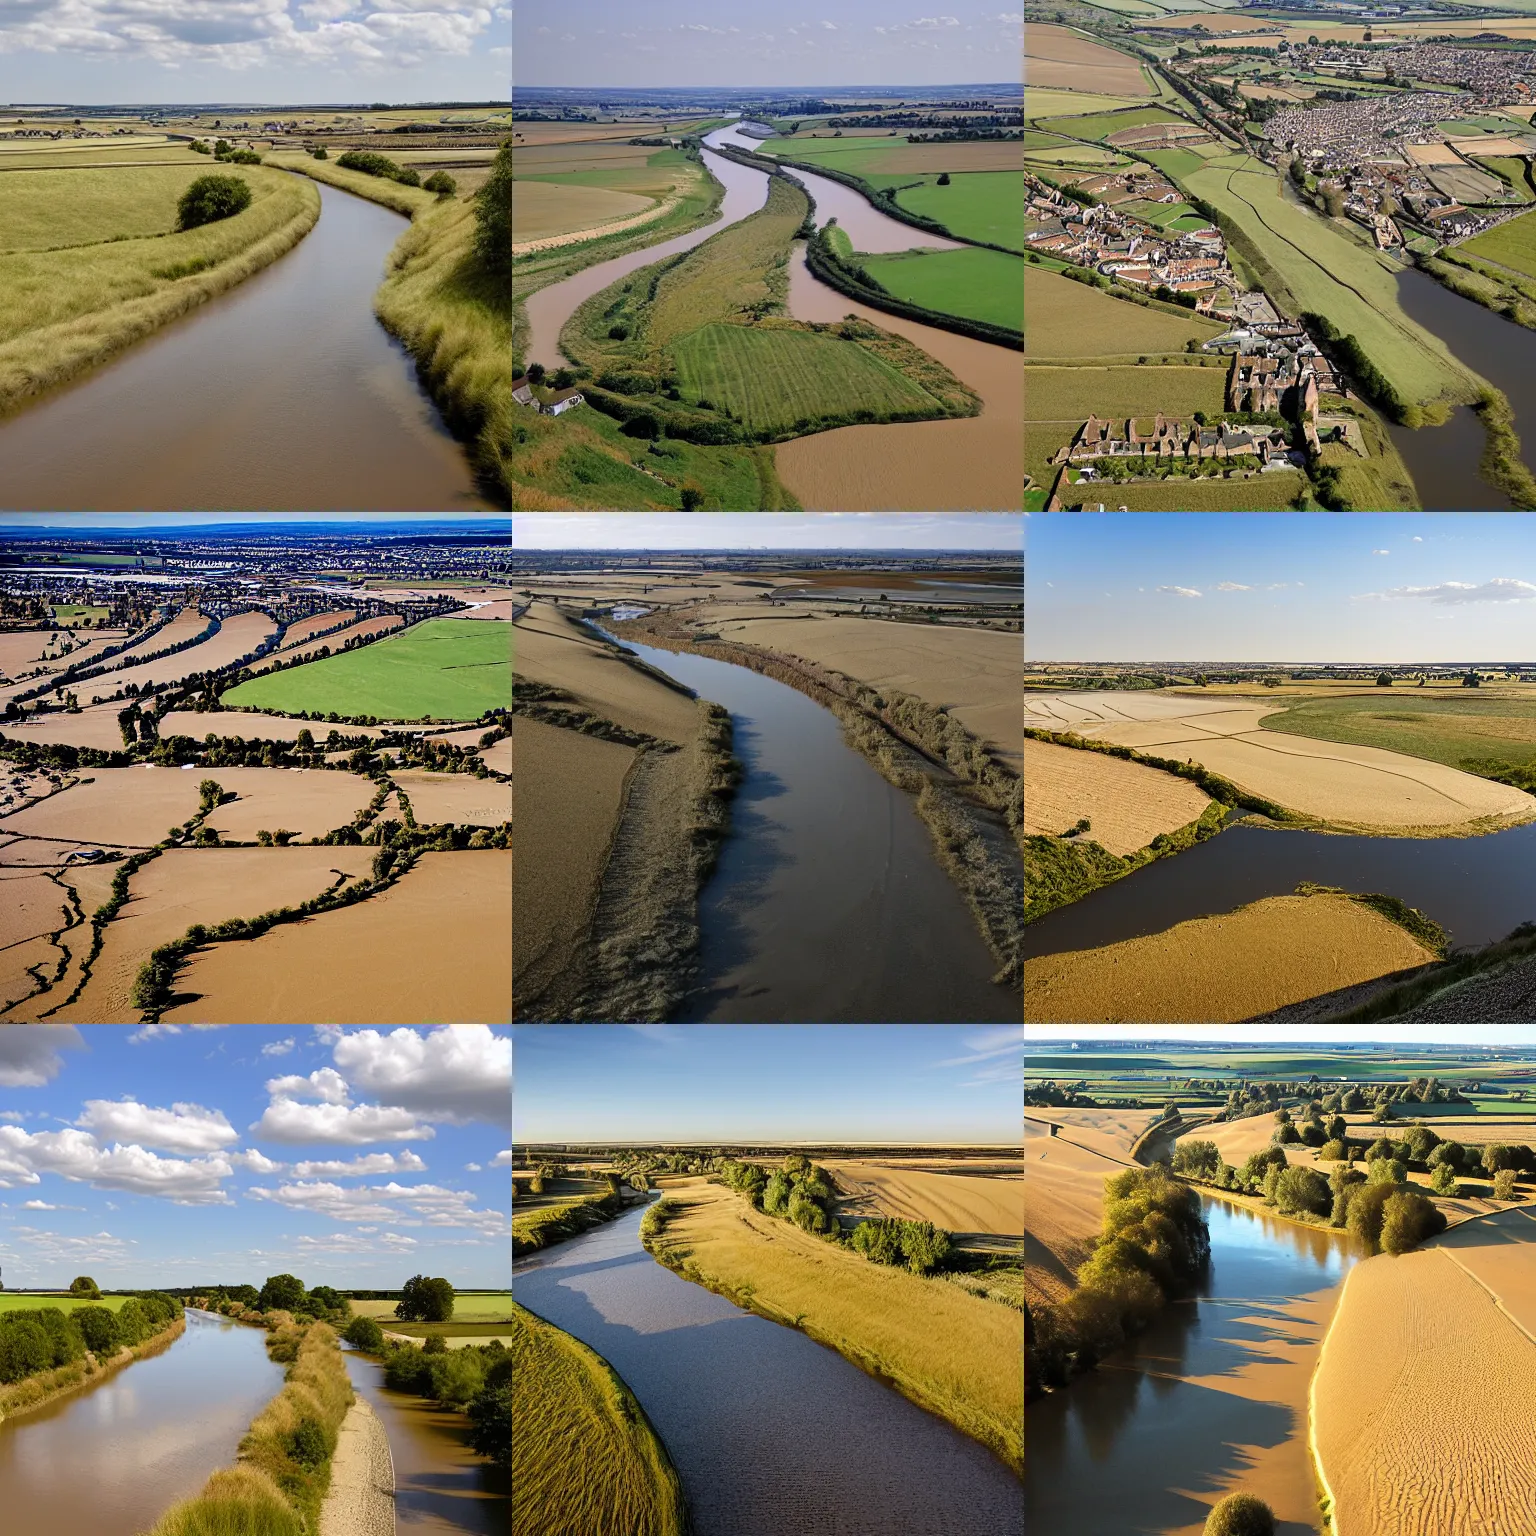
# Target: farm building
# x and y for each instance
(564, 401)
(522, 394)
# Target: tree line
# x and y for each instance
(38, 1339)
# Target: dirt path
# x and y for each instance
(361, 1501)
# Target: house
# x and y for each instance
(522, 394)
(564, 401)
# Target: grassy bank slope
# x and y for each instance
(585, 1456)
(68, 309)
(948, 1351)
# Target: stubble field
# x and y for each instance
(954, 1195)
(1057, 56)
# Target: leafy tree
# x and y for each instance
(1407, 1219)
(1504, 1185)
(1385, 1170)
(98, 1328)
(1383, 679)
(211, 198)
(1240, 1514)
(1334, 1151)
(776, 1195)
(24, 1348)
(1443, 1180)
(878, 1240)
(83, 1285)
(1382, 1113)
(425, 1301)
(441, 183)
(1198, 1158)
(364, 1333)
(330, 1300)
(281, 1293)
(1498, 1155)
(1365, 1206)
(493, 216)
(490, 1420)
(1300, 1190)
(133, 1325)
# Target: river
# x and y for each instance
(827, 903)
(771, 1433)
(441, 1487)
(111, 1459)
(1210, 1400)
(284, 393)
(1476, 888)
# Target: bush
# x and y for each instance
(98, 1328)
(1240, 1514)
(133, 1325)
(211, 198)
(83, 1285)
(441, 183)
(1334, 1151)
(455, 1376)
(1385, 1170)
(1198, 1158)
(1407, 1219)
(493, 215)
(1443, 1180)
(1365, 1206)
(642, 425)
(322, 153)
(371, 164)
(364, 1333)
(1300, 1190)
(1504, 1185)
(490, 1420)
(618, 333)
(24, 1348)
(307, 1443)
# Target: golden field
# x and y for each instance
(1063, 1207)
(948, 1351)
(1128, 804)
(943, 1192)
(1060, 58)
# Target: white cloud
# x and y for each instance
(336, 1125)
(831, 26)
(29, 1058)
(325, 1084)
(353, 1242)
(1502, 589)
(254, 1162)
(37, 1205)
(368, 1163)
(77, 1156)
(457, 1073)
(473, 1168)
(1232, 586)
(1179, 591)
(1418, 538)
(502, 1159)
(280, 1047)
(181, 1128)
(153, 1032)
(100, 1246)
(427, 1204)
(1381, 551)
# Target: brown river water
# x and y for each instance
(285, 393)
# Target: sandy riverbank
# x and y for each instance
(361, 1501)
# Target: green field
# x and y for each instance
(1101, 125)
(1508, 169)
(1047, 102)
(976, 205)
(1064, 318)
(47, 209)
(17, 1301)
(1273, 492)
(469, 1307)
(981, 285)
(1459, 732)
(70, 613)
(772, 379)
(1512, 244)
(446, 669)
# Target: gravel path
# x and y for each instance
(362, 1497)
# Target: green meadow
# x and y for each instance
(21, 1301)
(976, 205)
(979, 284)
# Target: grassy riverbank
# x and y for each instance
(67, 309)
(453, 317)
(950, 1352)
(37, 1391)
(555, 1223)
(585, 1455)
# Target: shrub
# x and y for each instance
(133, 1324)
(211, 198)
(693, 498)
(1302, 1190)
(24, 1348)
(1504, 1184)
(364, 1333)
(493, 215)
(1443, 1180)
(307, 1443)
(642, 425)
(1385, 1170)
(371, 164)
(1334, 1151)
(322, 153)
(83, 1285)
(618, 332)
(455, 1376)
(1366, 1203)
(876, 1239)
(441, 183)
(1240, 1514)
(98, 1328)
(1407, 1219)
(490, 1421)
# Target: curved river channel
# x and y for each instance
(111, 1459)
(827, 904)
(771, 1433)
(285, 393)
(1210, 1400)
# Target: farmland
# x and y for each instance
(443, 670)
(966, 1196)
(1063, 318)
(15, 1301)
(1041, 102)
(979, 284)
(1511, 245)
(1057, 57)
(977, 205)
(1273, 491)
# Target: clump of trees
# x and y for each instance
(425, 1301)
(83, 1285)
(493, 216)
(364, 1333)
(371, 164)
(211, 198)
(33, 1340)
(477, 1380)
(920, 1245)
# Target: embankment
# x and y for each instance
(535, 1230)
(34, 1392)
(362, 1493)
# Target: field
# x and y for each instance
(1275, 491)
(83, 277)
(1512, 244)
(547, 208)
(365, 629)
(956, 1195)
(950, 1352)
(978, 205)
(15, 1301)
(1291, 948)
(1128, 803)
(981, 285)
(430, 949)
(1343, 786)
(1063, 318)
(586, 1458)
(1447, 1330)
(1043, 102)
(1055, 56)
(237, 637)
(442, 669)
(771, 379)
(456, 798)
(73, 614)
(891, 161)
(469, 1307)
(1101, 125)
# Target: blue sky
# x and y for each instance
(934, 1083)
(170, 1156)
(796, 43)
(1280, 587)
(1291, 1034)
(769, 530)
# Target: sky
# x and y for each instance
(903, 1083)
(258, 51)
(794, 43)
(769, 530)
(1302, 587)
(176, 1156)
(1293, 1034)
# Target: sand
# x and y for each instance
(92, 727)
(298, 633)
(1362, 788)
(1109, 1132)
(310, 802)
(361, 1497)
(1425, 1398)
(569, 794)
(1127, 804)
(30, 905)
(204, 885)
(973, 673)
(499, 611)
(498, 756)
(433, 949)
(961, 1203)
(1223, 969)
(238, 637)
(1063, 1208)
(455, 797)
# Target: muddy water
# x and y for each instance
(285, 393)
(441, 1487)
(868, 228)
(746, 191)
(1477, 888)
(828, 904)
(1212, 1399)
(972, 464)
(772, 1434)
(110, 1460)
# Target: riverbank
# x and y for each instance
(950, 1352)
(586, 1457)
(34, 1392)
(361, 1500)
(64, 312)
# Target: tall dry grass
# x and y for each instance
(584, 1455)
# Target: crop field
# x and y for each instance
(585, 1456)
(1512, 244)
(1446, 1329)
(1128, 804)
(430, 949)
(1343, 785)
(472, 1307)
(73, 614)
(1274, 491)
(459, 798)
(924, 1190)
(237, 637)
(982, 285)
(888, 161)
(547, 208)
(1055, 56)
(441, 669)
(953, 1353)
(770, 379)
(363, 629)
(1063, 318)
(49, 209)
(1042, 102)
(1100, 125)
(1291, 948)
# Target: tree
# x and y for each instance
(776, 1195)
(493, 216)
(83, 1285)
(1240, 1514)
(329, 1300)
(365, 1334)
(536, 373)
(1382, 1113)
(1443, 1180)
(1299, 1190)
(1407, 1219)
(1385, 1170)
(281, 1293)
(943, 178)
(1334, 1151)
(1383, 679)
(490, 1421)
(692, 497)
(425, 1301)
(211, 198)
(441, 183)
(1200, 1158)
(1504, 1185)
(98, 1327)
